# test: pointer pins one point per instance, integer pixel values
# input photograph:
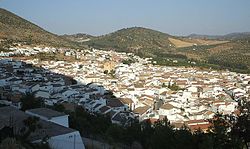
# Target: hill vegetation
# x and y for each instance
(139, 40)
(16, 29)
(229, 52)
(80, 37)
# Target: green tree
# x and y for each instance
(132, 133)
(114, 133)
(11, 143)
(174, 87)
(241, 129)
(163, 136)
(203, 140)
(106, 72)
(183, 138)
(89, 124)
(58, 107)
(164, 85)
(31, 124)
(30, 102)
(147, 131)
(219, 130)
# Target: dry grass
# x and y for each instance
(208, 42)
(179, 43)
(190, 42)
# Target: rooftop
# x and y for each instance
(48, 113)
(141, 110)
(167, 106)
(10, 116)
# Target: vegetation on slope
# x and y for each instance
(164, 49)
(138, 40)
(80, 37)
(17, 29)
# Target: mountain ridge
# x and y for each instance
(229, 36)
(162, 47)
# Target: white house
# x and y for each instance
(3, 81)
(59, 137)
(123, 118)
(50, 115)
(48, 88)
(42, 94)
(35, 88)
(67, 93)
(168, 109)
(15, 81)
(57, 87)
(73, 139)
(142, 112)
(192, 89)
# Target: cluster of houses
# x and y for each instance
(101, 83)
(25, 51)
(52, 127)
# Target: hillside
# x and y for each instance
(188, 42)
(15, 28)
(142, 41)
(80, 37)
(228, 52)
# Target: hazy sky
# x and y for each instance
(176, 17)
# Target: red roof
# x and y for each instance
(203, 127)
(152, 120)
(191, 122)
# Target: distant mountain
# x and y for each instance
(15, 28)
(198, 36)
(80, 37)
(237, 36)
(231, 36)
